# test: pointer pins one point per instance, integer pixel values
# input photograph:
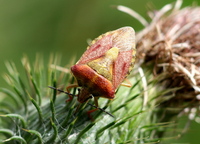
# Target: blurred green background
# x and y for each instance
(63, 26)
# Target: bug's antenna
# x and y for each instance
(101, 109)
(87, 103)
(61, 91)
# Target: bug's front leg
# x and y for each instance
(93, 110)
(68, 90)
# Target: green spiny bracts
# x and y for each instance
(33, 113)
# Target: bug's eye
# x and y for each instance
(79, 89)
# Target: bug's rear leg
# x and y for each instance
(128, 84)
(68, 90)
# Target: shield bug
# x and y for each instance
(104, 65)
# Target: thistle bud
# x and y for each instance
(172, 43)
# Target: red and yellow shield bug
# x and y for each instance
(104, 65)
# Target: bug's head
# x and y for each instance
(83, 95)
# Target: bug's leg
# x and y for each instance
(93, 110)
(68, 90)
(128, 84)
